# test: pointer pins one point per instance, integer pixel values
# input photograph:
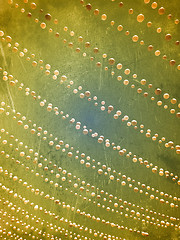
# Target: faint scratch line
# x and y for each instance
(11, 100)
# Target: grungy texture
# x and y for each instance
(89, 119)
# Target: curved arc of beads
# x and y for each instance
(154, 6)
(51, 143)
(23, 224)
(36, 207)
(13, 208)
(22, 154)
(63, 78)
(88, 6)
(165, 221)
(142, 82)
(168, 144)
(60, 229)
(58, 114)
(68, 207)
(124, 119)
(75, 185)
(16, 236)
(126, 82)
(148, 133)
(49, 108)
(135, 37)
(18, 229)
(100, 139)
(95, 218)
(9, 234)
(141, 17)
(157, 91)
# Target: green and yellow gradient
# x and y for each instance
(21, 103)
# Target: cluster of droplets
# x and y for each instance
(111, 62)
(100, 139)
(100, 171)
(140, 18)
(63, 179)
(118, 114)
(64, 172)
(69, 175)
(42, 222)
(127, 71)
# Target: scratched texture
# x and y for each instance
(84, 72)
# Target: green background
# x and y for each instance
(106, 87)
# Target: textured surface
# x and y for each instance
(87, 69)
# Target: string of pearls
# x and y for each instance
(135, 38)
(76, 186)
(154, 6)
(11, 218)
(80, 212)
(112, 177)
(130, 123)
(119, 66)
(101, 138)
(50, 107)
(68, 207)
(140, 17)
(39, 220)
(168, 144)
